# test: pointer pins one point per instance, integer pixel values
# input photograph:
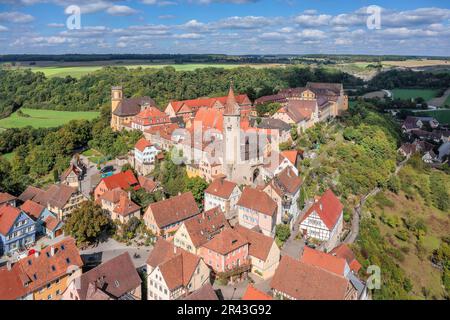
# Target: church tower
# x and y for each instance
(116, 99)
(231, 134)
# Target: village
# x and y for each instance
(250, 238)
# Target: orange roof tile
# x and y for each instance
(259, 244)
(8, 215)
(328, 207)
(323, 260)
(123, 180)
(32, 208)
(225, 242)
(257, 200)
(343, 251)
(251, 293)
(221, 188)
(291, 155)
(142, 144)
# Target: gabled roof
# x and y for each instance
(115, 277)
(51, 223)
(148, 184)
(251, 293)
(72, 168)
(221, 188)
(257, 200)
(175, 209)
(142, 144)
(206, 292)
(46, 267)
(29, 193)
(343, 251)
(5, 197)
(291, 155)
(203, 227)
(271, 123)
(300, 110)
(328, 207)
(33, 209)
(132, 106)
(8, 215)
(323, 260)
(306, 282)
(125, 206)
(151, 116)
(225, 242)
(209, 118)
(123, 180)
(176, 265)
(57, 195)
(286, 182)
(325, 88)
(259, 244)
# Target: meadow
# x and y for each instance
(407, 94)
(39, 118)
(79, 71)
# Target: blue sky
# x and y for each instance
(415, 27)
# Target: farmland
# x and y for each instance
(408, 94)
(79, 71)
(44, 118)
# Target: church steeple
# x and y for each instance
(231, 106)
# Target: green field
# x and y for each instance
(79, 71)
(44, 118)
(443, 116)
(407, 94)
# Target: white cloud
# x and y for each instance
(15, 17)
(117, 10)
(313, 20)
(3, 28)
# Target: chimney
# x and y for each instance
(129, 195)
(52, 251)
(174, 249)
(8, 265)
(36, 254)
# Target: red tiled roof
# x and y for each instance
(12, 285)
(51, 223)
(115, 277)
(165, 131)
(210, 118)
(206, 292)
(323, 260)
(257, 200)
(57, 195)
(172, 210)
(32, 208)
(142, 144)
(148, 184)
(176, 265)
(125, 206)
(204, 226)
(47, 268)
(151, 116)
(251, 293)
(291, 155)
(328, 207)
(286, 182)
(225, 242)
(343, 251)
(123, 180)
(5, 197)
(8, 215)
(259, 244)
(221, 188)
(306, 282)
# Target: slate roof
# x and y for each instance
(132, 106)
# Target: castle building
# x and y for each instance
(124, 111)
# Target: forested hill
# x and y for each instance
(23, 88)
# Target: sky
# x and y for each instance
(405, 27)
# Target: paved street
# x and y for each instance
(109, 249)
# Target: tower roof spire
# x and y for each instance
(231, 106)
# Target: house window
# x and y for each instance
(49, 297)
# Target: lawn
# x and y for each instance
(41, 118)
(407, 94)
(443, 115)
(79, 71)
